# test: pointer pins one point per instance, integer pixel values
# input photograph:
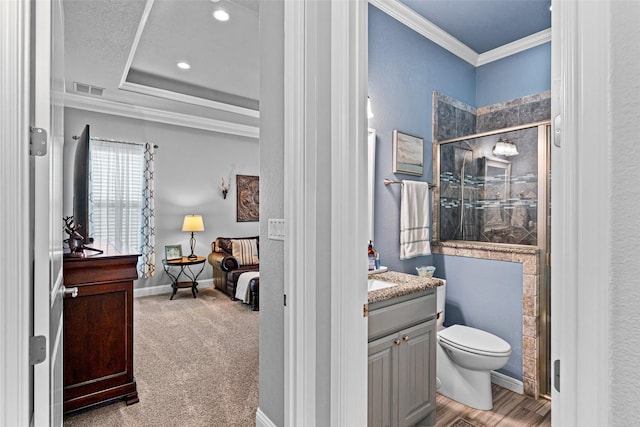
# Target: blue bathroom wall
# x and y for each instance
(487, 295)
(404, 69)
(522, 74)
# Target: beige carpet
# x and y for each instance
(195, 363)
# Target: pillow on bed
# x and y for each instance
(245, 251)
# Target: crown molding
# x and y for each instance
(188, 99)
(428, 29)
(136, 40)
(151, 114)
(423, 26)
(514, 47)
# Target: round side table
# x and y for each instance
(183, 266)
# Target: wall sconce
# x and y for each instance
(224, 189)
(505, 148)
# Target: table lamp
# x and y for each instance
(192, 223)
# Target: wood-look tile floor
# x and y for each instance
(509, 410)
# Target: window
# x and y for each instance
(119, 213)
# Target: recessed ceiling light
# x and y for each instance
(221, 15)
(183, 65)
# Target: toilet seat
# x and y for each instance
(474, 341)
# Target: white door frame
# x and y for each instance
(580, 277)
(304, 174)
(15, 232)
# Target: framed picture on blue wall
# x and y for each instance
(408, 154)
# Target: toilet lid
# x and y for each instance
(474, 340)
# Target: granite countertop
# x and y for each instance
(407, 284)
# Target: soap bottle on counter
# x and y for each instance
(372, 256)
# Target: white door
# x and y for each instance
(47, 83)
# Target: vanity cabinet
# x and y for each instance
(402, 362)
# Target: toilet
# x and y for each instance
(465, 357)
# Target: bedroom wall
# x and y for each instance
(189, 165)
(271, 394)
(624, 202)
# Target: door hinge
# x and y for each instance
(556, 374)
(37, 349)
(365, 310)
(37, 141)
(285, 300)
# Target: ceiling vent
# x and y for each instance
(87, 89)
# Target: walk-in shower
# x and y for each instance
(489, 195)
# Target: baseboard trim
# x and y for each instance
(166, 288)
(262, 420)
(507, 382)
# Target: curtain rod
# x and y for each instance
(389, 182)
(115, 140)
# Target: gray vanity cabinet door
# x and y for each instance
(416, 373)
(382, 382)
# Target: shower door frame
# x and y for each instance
(543, 374)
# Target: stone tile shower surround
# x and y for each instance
(453, 119)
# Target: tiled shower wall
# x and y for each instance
(452, 119)
(520, 111)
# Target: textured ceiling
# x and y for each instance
(224, 56)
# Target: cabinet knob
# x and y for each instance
(72, 291)
(405, 338)
(396, 341)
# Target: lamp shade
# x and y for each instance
(193, 223)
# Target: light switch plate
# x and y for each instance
(276, 229)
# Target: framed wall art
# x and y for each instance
(248, 198)
(408, 154)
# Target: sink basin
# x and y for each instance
(375, 284)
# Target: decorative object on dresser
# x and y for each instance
(191, 224)
(98, 329)
(248, 198)
(229, 258)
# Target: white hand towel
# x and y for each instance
(414, 220)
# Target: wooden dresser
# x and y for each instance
(98, 330)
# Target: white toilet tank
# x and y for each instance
(441, 293)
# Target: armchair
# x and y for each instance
(227, 268)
